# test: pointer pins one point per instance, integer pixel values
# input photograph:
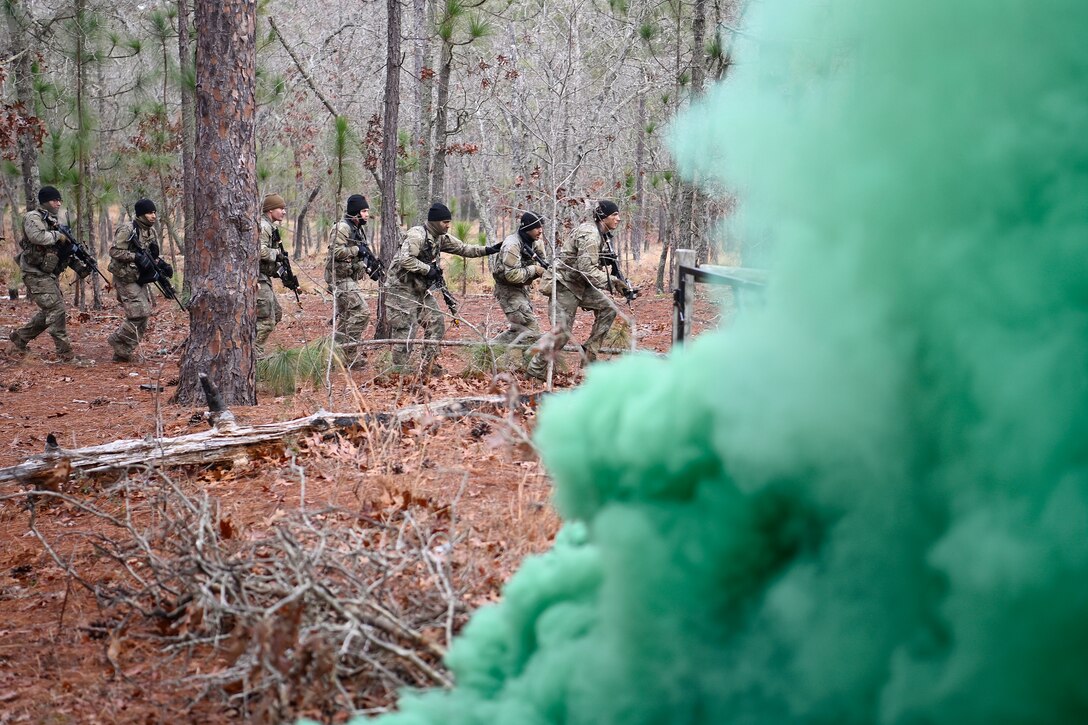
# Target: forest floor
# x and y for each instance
(68, 655)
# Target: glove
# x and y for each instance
(144, 263)
(281, 256)
(493, 248)
(433, 274)
(538, 271)
(66, 231)
(153, 249)
(375, 269)
(364, 252)
(64, 247)
(164, 268)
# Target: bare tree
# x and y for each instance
(188, 124)
(18, 28)
(222, 262)
(390, 231)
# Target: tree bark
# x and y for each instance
(666, 243)
(688, 191)
(188, 130)
(638, 235)
(423, 13)
(84, 205)
(18, 22)
(300, 220)
(390, 230)
(222, 263)
(441, 131)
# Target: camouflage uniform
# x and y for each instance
(42, 259)
(135, 297)
(407, 292)
(269, 312)
(514, 271)
(343, 270)
(580, 283)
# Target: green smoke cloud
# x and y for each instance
(868, 501)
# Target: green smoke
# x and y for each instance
(868, 501)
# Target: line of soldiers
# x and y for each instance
(584, 271)
(48, 248)
(580, 271)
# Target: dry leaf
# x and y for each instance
(113, 652)
(226, 528)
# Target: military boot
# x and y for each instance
(18, 344)
(120, 353)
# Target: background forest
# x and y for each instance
(498, 106)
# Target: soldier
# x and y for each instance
(415, 270)
(581, 282)
(46, 251)
(518, 264)
(350, 257)
(269, 313)
(134, 264)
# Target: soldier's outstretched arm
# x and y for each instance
(453, 245)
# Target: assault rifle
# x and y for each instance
(164, 284)
(156, 269)
(374, 266)
(80, 252)
(150, 267)
(439, 283)
(283, 267)
(610, 261)
(528, 248)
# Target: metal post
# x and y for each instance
(684, 304)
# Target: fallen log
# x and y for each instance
(222, 441)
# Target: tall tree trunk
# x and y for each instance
(188, 128)
(84, 230)
(666, 242)
(390, 237)
(638, 236)
(421, 55)
(438, 161)
(688, 191)
(300, 220)
(222, 262)
(18, 29)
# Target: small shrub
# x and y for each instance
(276, 372)
(485, 359)
(281, 371)
(313, 360)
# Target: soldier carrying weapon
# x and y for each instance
(274, 262)
(46, 251)
(415, 271)
(586, 267)
(135, 263)
(518, 264)
(350, 258)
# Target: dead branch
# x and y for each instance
(326, 608)
(222, 442)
